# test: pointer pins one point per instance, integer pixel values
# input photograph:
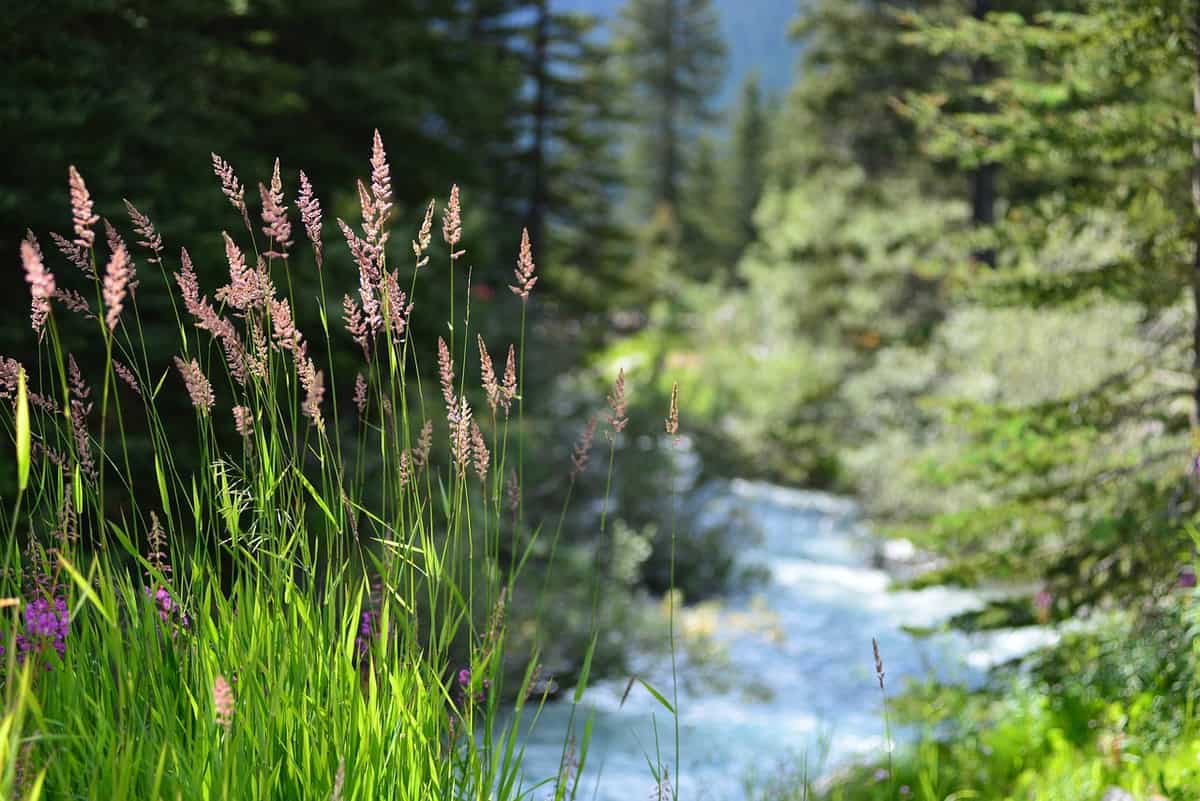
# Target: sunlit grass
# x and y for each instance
(314, 604)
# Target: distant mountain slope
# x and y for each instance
(756, 32)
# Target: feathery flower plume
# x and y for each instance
(231, 186)
(116, 285)
(452, 223)
(491, 386)
(143, 227)
(372, 223)
(406, 469)
(67, 531)
(79, 388)
(672, 425)
(81, 209)
(116, 242)
(446, 375)
(81, 407)
(55, 457)
(479, 451)
(207, 318)
(495, 624)
(40, 280)
(126, 375)
(276, 226)
(47, 405)
(525, 267)
(113, 237)
(73, 300)
(247, 288)
(372, 314)
(879, 674)
(421, 243)
(460, 435)
(616, 401)
(398, 307)
(223, 703)
(568, 768)
(512, 491)
(357, 326)
(9, 372)
(189, 286)
(286, 335)
(157, 540)
(367, 257)
(310, 216)
(509, 387)
(74, 253)
(313, 382)
(360, 394)
(424, 445)
(365, 254)
(257, 361)
(243, 420)
(381, 177)
(663, 791)
(583, 448)
(197, 384)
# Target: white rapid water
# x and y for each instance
(799, 671)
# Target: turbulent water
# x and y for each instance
(796, 678)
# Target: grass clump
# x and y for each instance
(304, 594)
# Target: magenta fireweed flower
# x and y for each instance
(46, 625)
(1042, 603)
(366, 633)
(464, 686)
(169, 610)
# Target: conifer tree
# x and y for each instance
(673, 61)
(571, 122)
(750, 141)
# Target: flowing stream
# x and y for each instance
(795, 679)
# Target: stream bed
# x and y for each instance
(795, 679)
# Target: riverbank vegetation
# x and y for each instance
(975, 264)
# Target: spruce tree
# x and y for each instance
(673, 61)
(750, 141)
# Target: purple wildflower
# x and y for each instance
(169, 610)
(1187, 578)
(464, 684)
(366, 633)
(1042, 603)
(47, 623)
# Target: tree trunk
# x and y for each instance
(668, 189)
(1196, 229)
(539, 191)
(983, 178)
